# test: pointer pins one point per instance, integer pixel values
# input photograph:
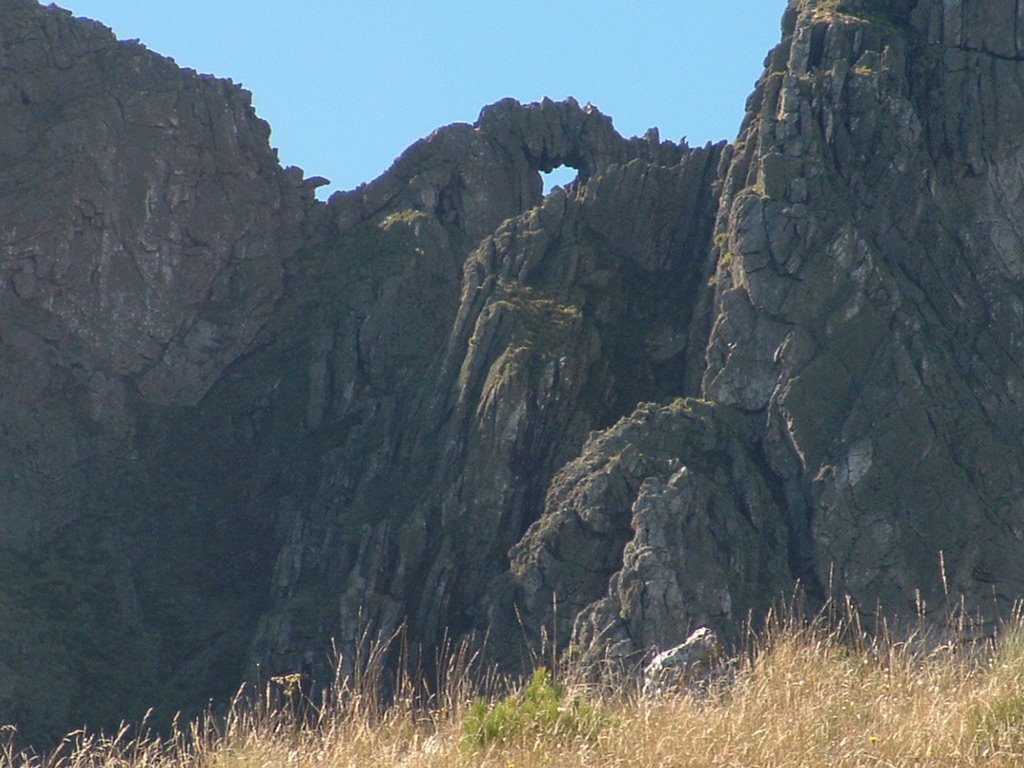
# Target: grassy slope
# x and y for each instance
(803, 699)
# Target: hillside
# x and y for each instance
(240, 425)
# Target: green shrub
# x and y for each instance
(538, 710)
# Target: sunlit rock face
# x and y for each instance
(239, 425)
(870, 309)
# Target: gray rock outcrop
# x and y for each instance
(686, 666)
(863, 339)
(146, 224)
(238, 423)
(516, 372)
(867, 307)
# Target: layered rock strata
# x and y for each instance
(239, 424)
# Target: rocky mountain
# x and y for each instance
(237, 424)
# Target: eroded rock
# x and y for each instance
(687, 665)
(239, 424)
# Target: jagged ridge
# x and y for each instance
(240, 423)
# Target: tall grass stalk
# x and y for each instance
(822, 694)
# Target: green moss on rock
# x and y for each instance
(894, 13)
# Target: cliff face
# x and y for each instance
(238, 423)
(867, 306)
(146, 228)
(495, 330)
(869, 314)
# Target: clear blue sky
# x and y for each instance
(347, 85)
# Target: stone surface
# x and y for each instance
(238, 424)
(869, 324)
(686, 665)
(664, 522)
(571, 309)
(145, 228)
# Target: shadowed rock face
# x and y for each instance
(145, 228)
(870, 311)
(474, 365)
(238, 423)
(865, 339)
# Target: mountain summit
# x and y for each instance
(239, 424)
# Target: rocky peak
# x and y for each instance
(518, 371)
(146, 224)
(144, 207)
(477, 176)
(879, 168)
(859, 210)
(241, 424)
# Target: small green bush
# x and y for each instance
(537, 711)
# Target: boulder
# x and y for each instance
(686, 665)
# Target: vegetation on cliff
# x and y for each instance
(240, 425)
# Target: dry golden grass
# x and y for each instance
(803, 697)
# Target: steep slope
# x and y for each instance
(453, 390)
(243, 423)
(239, 424)
(871, 310)
(868, 307)
(146, 223)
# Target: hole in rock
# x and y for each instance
(562, 176)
